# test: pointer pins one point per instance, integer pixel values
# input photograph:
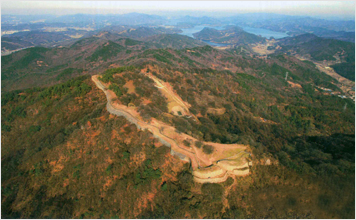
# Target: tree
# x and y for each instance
(208, 149)
(198, 144)
(186, 143)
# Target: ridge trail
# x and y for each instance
(202, 165)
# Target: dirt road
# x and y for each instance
(168, 136)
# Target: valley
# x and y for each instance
(346, 85)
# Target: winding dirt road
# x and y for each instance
(202, 164)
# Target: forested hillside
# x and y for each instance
(340, 53)
(65, 156)
(231, 35)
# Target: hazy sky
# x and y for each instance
(339, 9)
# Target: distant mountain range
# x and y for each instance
(294, 25)
(103, 41)
(58, 36)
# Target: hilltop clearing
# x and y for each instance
(184, 145)
(175, 104)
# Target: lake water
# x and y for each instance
(257, 31)
(265, 33)
(215, 44)
(190, 31)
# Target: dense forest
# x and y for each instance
(346, 70)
